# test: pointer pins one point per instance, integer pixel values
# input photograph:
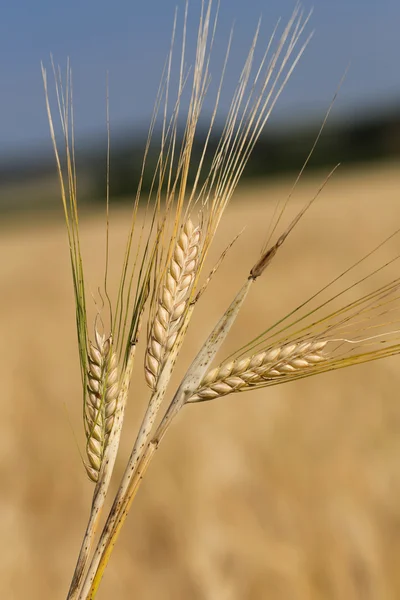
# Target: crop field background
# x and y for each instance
(287, 493)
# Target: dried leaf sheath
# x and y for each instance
(172, 303)
(101, 403)
(244, 373)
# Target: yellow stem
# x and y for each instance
(130, 496)
(123, 513)
(101, 489)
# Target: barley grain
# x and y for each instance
(102, 393)
(172, 302)
(242, 374)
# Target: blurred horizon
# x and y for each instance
(363, 126)
(130, 43)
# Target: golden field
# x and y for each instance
(288, 493)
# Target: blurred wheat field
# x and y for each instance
(292, 492)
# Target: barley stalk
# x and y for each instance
(242, 374)
(172, 302)
(102, 484)
(101, 403)
(144, 447)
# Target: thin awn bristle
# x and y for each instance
(242, 374)
(172, 301)
(101, 404)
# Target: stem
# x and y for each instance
(129, 483)
(141, 469)
(102, 485)
(143, 449)
(123, 513)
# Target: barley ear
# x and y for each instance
(244, 373)
(101, 401)
(172, 301)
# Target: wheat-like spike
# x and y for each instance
(101, 404)
(172, 301)
(244, 373)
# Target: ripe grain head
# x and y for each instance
(101, 401)
(173, 299)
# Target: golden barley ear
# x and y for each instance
(173, 299)
(244, 373)
(101, 401)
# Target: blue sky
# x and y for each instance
(129, 39)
